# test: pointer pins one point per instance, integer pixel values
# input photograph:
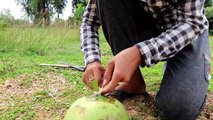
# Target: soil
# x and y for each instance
(50, 85)
(139, 107)
(144, 108)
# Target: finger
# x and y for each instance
(102, 80)
(108, 73)
(87, 77)
(112, 84)
(98, 75)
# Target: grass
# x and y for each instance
(21, 52)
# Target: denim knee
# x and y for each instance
(177, 109)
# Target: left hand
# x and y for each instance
(121, 68)
(94, 71)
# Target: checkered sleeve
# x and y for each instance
(191, 22)
(89, 33)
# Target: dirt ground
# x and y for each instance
(141, 108)
(138, 107)
(47, 86)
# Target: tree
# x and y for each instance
(59, 5)
(79, 12)
(41, 10)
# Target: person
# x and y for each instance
(143, 33)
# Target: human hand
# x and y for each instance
(121, 68)
(94, 71)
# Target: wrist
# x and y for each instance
(93, 64)
(138, 57)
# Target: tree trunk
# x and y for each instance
(42, 18)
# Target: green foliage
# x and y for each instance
(79, 12)
(59, 5)
(208, 3)
(209, 14)
(3, 24)
(6, 19)
(29, 6)
(41, 10)
(76, 2)
(211, 32)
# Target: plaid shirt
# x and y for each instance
(182, 23)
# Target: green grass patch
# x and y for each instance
(211, 50)
(21, 51)
(153, 77)
(20, 109)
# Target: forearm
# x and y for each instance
(90, 44)
(89, 34)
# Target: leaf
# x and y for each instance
(94, 85)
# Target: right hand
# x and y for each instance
(120, 69)
(94, 71)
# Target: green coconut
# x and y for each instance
(96, 107)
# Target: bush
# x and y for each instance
(79, 12)
(6, 19)
(76, 19)
(3, 24)
(211, 32)
(209, 14)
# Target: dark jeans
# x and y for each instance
(183, 90)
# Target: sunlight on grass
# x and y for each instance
(21, 50)
(38, 41)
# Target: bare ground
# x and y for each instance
(50, 85)
(141, 108)
(28, 89)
